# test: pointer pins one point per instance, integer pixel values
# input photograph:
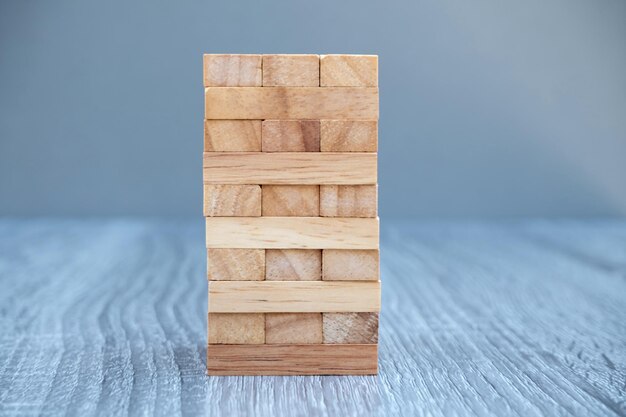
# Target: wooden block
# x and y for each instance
(349, 70)
(236, 328)
(232, 200)
(292, 359)
(290, 328)
(291, 136)
(293, 296)
(289, 168)
(350, 265)
(236, 264)
(226, 70)
(351, 328)
(291, 103)
(293, 264)
(291, 233)
(232, 135)
(291, 200)
(291, 70)
(348, 135)
(348, 200)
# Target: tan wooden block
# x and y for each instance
(291, 200)
(351, 328)
(232, 135)
(293, 296)
(291, 70)
(350, 265)
(291, 233)
(292, 359)
(291, 103)
(348, 135)
(289, 328)
(349, 70)
(236, 328)
(293, 264)
(291, 136)
(306, 168)
(232, 200)
(348, 200)
(236, 264)
(228, 70)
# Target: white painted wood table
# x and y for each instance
(109, 318)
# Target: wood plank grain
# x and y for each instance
(291, 233)
(291, 103)
(235, 264)
(232, 200)
(293, 328)
(236, 328)
(348, 70)
(291, 200)
(293, 70)
(349, 200)
(292, 359)
(348, 328)
(293, 296)
(291, 136)
(312, 168)
(293, 265)
(232, 70)
(232, 136)
(348, 135)
(350, 265)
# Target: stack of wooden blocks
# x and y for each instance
(290, 200)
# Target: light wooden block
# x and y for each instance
(291, 103)
(293, 296)
(291, 70)
(291, 233)
(291, 328)
(232, 200)
(229, 70)
(350, 265)
(232, 135)
(291, 136)
(292, 359)
(291, 200)
(348, 135)
(293, 264)
(236, 264)
(351, 328)
(236, 328)
(290, 168)
(348, 200)
(349, 70)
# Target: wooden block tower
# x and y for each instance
(290, 200)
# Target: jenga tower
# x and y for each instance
(290, 200)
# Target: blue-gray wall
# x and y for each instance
(488, 108)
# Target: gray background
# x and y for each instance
(488, 108)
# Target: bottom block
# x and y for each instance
(292, 359)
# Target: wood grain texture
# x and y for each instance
(291, 200)
(291, 136)
(293, 265)
(236, 264)
(349, 135)
(348, 200)
(109, 317)
(312, 168)
(291, 233)
(291, 103)
(232, 136)
(291, 70)
(230, 70)
(292, 360)
(293, 296)
(350, 265)
(293, 328)
(232, 200)
(350, 328)
(349, 70)
(242, 329)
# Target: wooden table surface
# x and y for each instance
(109, 318)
